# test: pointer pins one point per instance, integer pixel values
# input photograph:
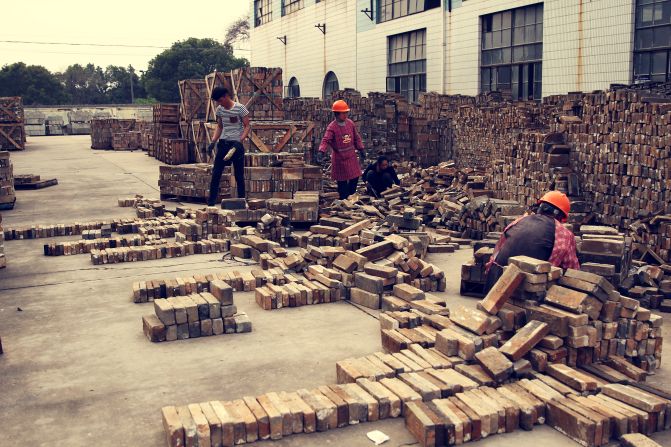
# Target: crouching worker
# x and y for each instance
(380, 176)
(540, 236)
(343, 139)
(232, 129)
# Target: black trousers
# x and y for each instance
(347, 187)
(238, 162)
(493, 275)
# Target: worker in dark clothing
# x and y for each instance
(540, 236)
(380, 176)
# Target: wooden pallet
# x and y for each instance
(36, 185)
(11, 110)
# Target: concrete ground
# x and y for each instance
(78, 371)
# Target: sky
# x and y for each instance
(151, 23)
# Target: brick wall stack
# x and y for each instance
(12, 124)
(103, 131)
(7, 193)
(166, 126)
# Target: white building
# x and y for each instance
(527, 48)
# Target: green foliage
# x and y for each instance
(189, 59)
(145, 101)
(118, 81)
(34, 83)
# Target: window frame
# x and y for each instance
(293, 88)
(386, 10)
(511, 52)
(291, 6)
(260, 19)
(328, 81)
(658, 44)
(407, 64)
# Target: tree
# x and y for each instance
(189, 59)
(34, 83)
(117, 89)
(238, 31)
(85, 85)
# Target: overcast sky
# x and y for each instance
(118, 22)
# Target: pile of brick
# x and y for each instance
(7, 191)
(104, 129)
(192, 182)
(32, 181)
(12, 124)
(86, 245)
(126, 141)
(166, 127)
(161, 251)
(196, 315)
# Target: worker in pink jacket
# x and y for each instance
(343, 139)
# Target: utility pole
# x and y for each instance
(131, 70)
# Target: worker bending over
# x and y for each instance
(232, 129)
(380, 176)
(540, 236)
(343, 139)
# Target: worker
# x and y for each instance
(343, 139)
(540, 236)
(232, 129)
(380, 176)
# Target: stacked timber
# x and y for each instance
(7, 192)
(12, 124)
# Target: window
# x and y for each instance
(652, 41)
(289, 6)
(263, 12)
(393, 9)
(512, 52)
(330, 84)
(407, 64)
(293, 89)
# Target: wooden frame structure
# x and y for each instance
(194, 99)
(12, 136)
(294, 132)
(217, 79)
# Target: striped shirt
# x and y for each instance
(231, 119)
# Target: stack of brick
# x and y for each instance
(7, 191)
(149, 290)
(166, 126)
(197, 315)
(87, 245)
(126, 141)
(104, 129)
(161, 251)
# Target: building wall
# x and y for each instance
(587, 44)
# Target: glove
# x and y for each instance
(210, 148)
(319, 157)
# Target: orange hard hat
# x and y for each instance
(340, 106)
(559, 200)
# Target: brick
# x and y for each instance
(495, 363)
(407, 292)
(424, 424)
(502, 291)
(364, 298)
(164, 311)
(275, 418)
(380, 270)
(530, 265)
(202, 425)
(377, 251)
(325, 410)
(524, 340)
(474, 320)
(172, 425)
(567, 299)
(153, 328)
(190, 431)
(222, 292)
(369, 283)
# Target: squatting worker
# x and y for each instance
(540, 236)
(343, 139)
(380, 176)
(232, 129)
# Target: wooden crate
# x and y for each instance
(12, 136)
(280, 136)
(173, 151)
(260, 89)
(166, 113)
(217, 79)
(194, 99)
(11, 110)
(161, 131)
